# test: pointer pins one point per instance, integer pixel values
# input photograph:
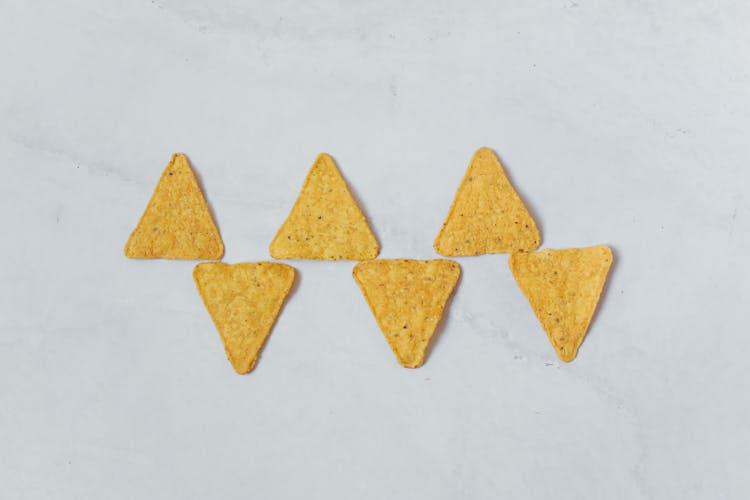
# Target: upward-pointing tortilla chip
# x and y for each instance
(487, 215)
(243, 301)
(563, 288)
(177, 223)
(407, 298)
(325, 222)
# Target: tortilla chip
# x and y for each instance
(563, 288)
(407, 298)
(487, 215)
(243, 301)
(177, 223)
(325, 222)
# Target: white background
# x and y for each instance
(624, 123)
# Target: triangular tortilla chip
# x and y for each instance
(325, 222)
(243, 301)
(407, 298)
(563, 288)
(177, 223)
(487, 215)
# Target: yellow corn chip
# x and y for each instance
(243, 301)
(563, 288)
(407, 298)
(325, 222)
(177, 223)
(487, 215)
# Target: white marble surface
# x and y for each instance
(624, 124)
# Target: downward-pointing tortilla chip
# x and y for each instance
(563, 288)
(407, 298)
(243, 301)
(325, 222)
(177, 223)
(487, 215)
